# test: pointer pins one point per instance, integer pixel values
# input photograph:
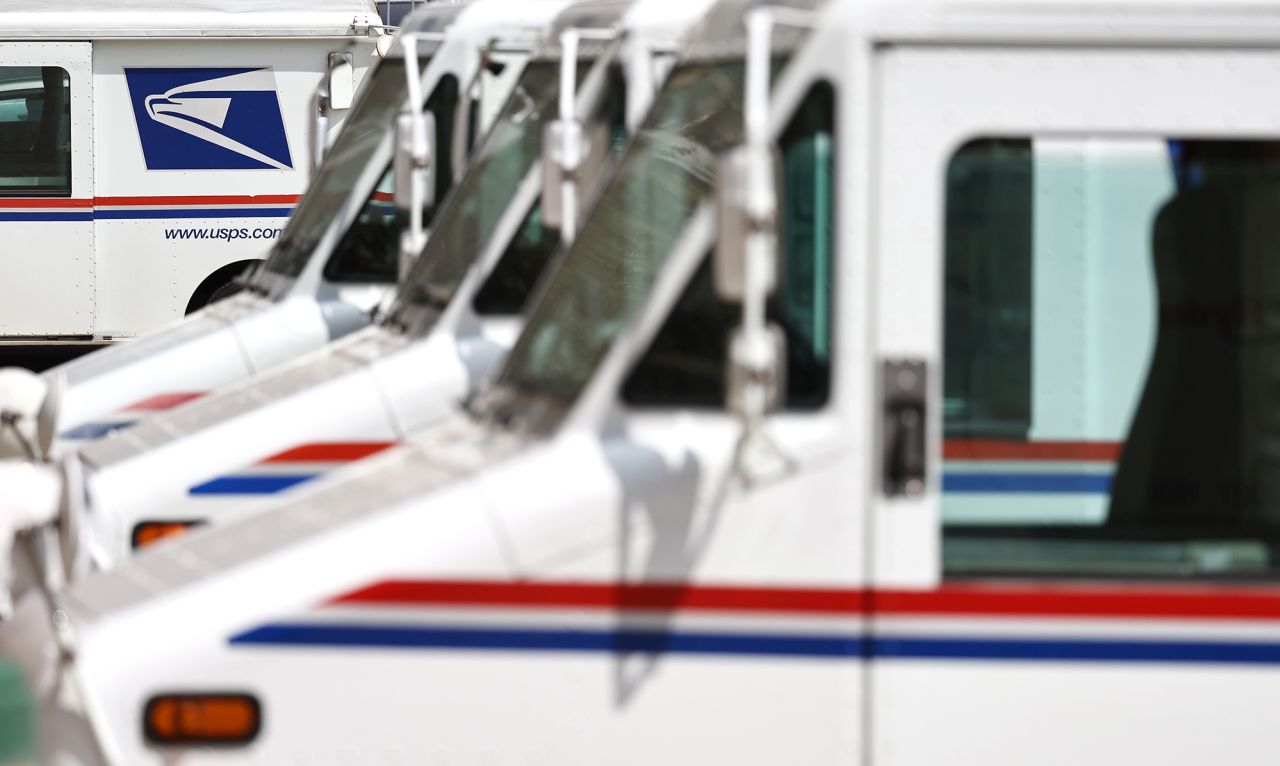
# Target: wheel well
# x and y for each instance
(205, 290)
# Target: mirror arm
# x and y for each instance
(415, 234)
(570, 144)
(756, 348)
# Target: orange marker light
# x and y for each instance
(202, 719)
(147, 532)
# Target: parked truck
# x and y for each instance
(930, 423)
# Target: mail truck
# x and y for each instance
(151, 151)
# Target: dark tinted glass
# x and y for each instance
(1111, 310)
(687, 361)
(369, 250)
(35, 132)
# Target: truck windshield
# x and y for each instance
(369, 123)
(469, 217)
(668, 172)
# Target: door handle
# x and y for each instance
(903, 427)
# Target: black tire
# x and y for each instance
(225, 291)
(222, 283)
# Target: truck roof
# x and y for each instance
(1101, 22)
(92, 19)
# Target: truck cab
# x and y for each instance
(928, 425)
(150, 153)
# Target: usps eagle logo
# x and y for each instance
(209, 118)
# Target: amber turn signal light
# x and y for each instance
(147, 532)
(222, 718)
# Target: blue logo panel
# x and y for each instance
(209, 118)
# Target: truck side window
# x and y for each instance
(508, 287)
(1110, 363)
(35, 132)
(369, 249)
(685, 364)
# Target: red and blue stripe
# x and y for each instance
(983, 466)
(852, 612)
(290, 468)
(129, 415)
(149, 207)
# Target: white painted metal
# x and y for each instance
(112, 263)
(94, 19)
(377, 386)
(280, 316)
(48, 279)
(615, 497)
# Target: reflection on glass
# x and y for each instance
(35, 131)
(470, 215)
(1134, 430)
(369, 123)
(369, 250)
(507, 289)
(684, 366)
(610, 268)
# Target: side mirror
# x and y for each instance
(747, 205)
(341, 81)
(319, 129)
(47, 417)
(415, 181)
(572, 152)
(414, 171)
(564, 142)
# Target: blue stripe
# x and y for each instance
(485, 639)
(775, 645)
(1031, 483)
(1078, 650)
(235, 212)
(265, 484)
(45, 215)
(95, 430)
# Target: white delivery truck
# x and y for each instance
(337, 256)
(150, 151)
(230, 452)
(725, 501)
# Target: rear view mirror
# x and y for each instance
(747, 205)
(563, 144)
(319, 129)
(414, 169)
(341, 81)
(415, 181)
(571, 153)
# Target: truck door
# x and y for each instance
(46, 189)
(1077, 248)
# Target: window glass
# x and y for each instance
(507, 288)
(35, 132)
(369, 250)
(507, 152)
(686, 363)
(368, 124)
(1112, 306)
(667, 172)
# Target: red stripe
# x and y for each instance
(608, 596)
(1150, 602)
(163, 401)
(951, 600)
(333, 452)
(227, 199)
(384, 196)
(45, 203)
(992, 449)
(235, 199)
